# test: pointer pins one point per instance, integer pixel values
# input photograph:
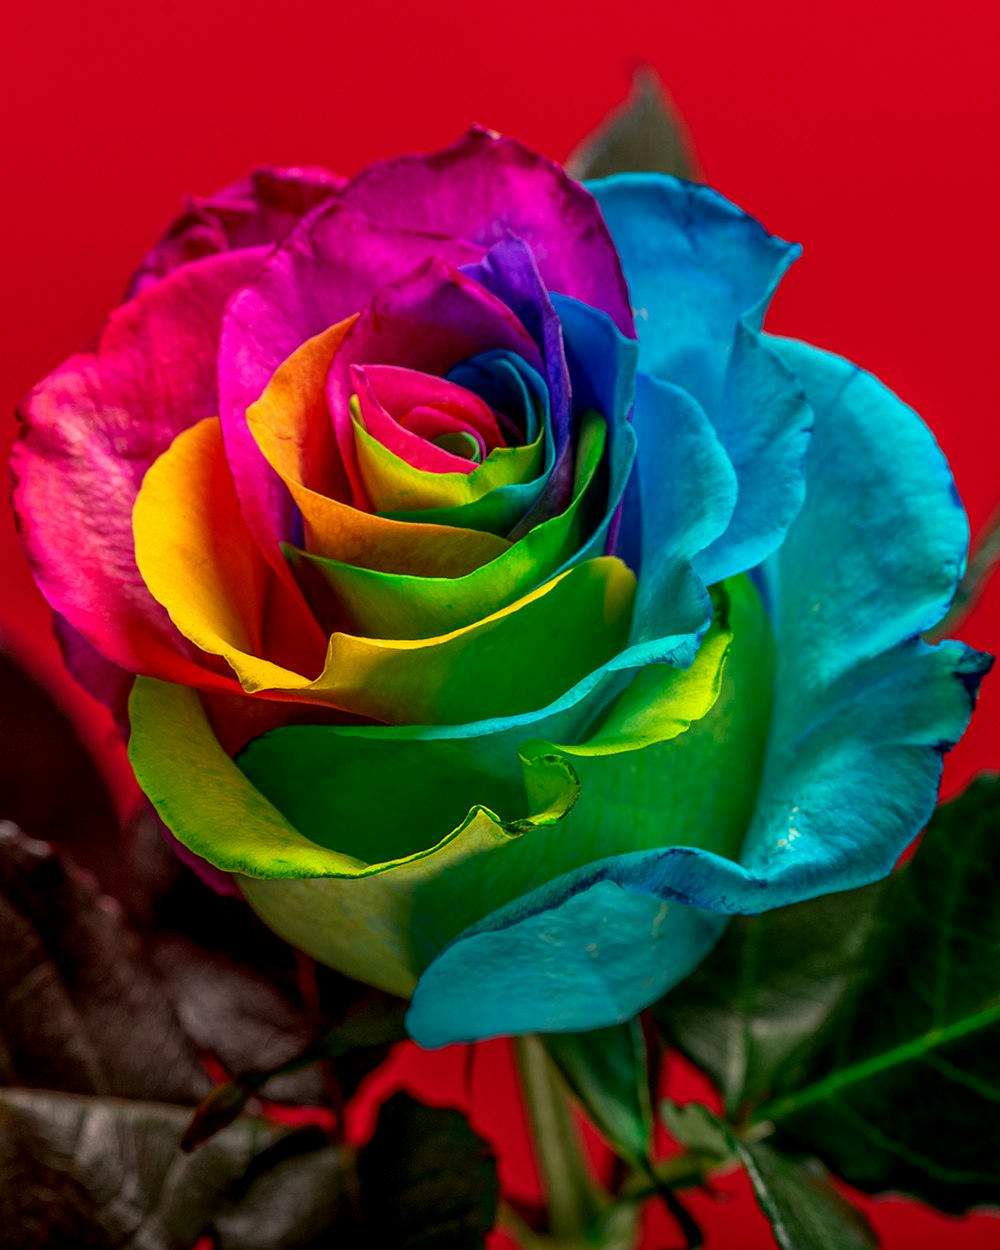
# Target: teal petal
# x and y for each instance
(696, 266)
(863, 713)
(701, 273)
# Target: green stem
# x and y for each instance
(572, 1201)
(682, 1171)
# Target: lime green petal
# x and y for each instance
(394, 605)
(516, 659)
(351, 914)
(661, 702)
(394, 485)
(695, 789)
(694, 786)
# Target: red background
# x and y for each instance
(865, 132)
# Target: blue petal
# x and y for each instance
(687, 492)
(508, 270)
(572, 966)
(701, 273)
(863, 713)
(696, 265)
(764, 422)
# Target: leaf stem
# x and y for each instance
(917, 1048)
(573, 1202)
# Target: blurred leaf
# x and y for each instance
(427, 1181)
(49, 785)
(983, 562)
(766, 989)
(805, 1210)
(238, 988)
(901, 1090)
(607, 1071)
(646, 134)
(299, 1194)
(106, 1174)
(215, 1112)
(80, 1009)
(699, 1131)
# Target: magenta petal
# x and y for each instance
(90, 430)
(403, 409)
(411, 396)
(325, 271)
(106, 682)
(430, 320)
(485, 186)
(254, 212)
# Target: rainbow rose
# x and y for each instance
(499, 608)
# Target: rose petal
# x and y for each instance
(485, 187)
(284, 421)
(431, 319)
(327, 270)
(90, 431)
(701, 273)
(863, 708)
(256, 211)
(357, 916)
(384, 605)
(200, 561)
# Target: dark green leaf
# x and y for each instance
(702, 1134)
(645, 135)
(805, 1210)
(902, 1090)
(607, 1071)
(427, 1181)
(106, 1174)
(766, 989)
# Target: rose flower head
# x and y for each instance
(497, 606)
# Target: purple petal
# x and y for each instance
(485, 187)
(257, 211)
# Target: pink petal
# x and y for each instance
(89, 432)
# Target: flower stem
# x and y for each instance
(573, 1203)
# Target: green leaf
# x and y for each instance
(766, 989)
(646, 134)
(805, 1211)
(106, 1173)
(427, 1181)
(699, 1131)
(607, 1071)
(901, 1090)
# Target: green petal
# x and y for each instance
(353, 915)
(395, 605)
(396, 795)
(695, 788)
